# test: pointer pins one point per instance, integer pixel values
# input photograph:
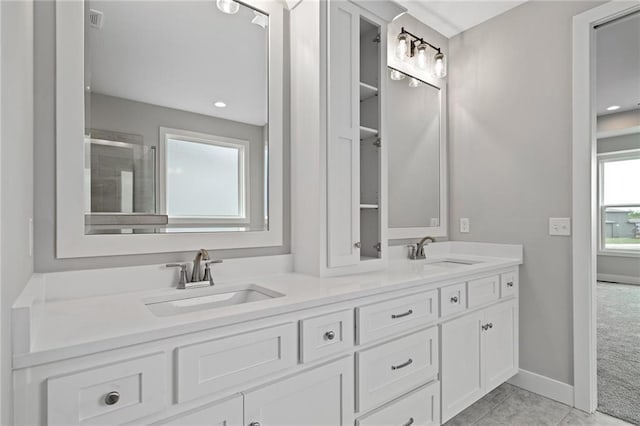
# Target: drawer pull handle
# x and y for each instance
(409, 422)
(112, 398)
(406, 314)
(403, 365)
(254, 424)
(510, 284)
(454, 299)
(329, 335)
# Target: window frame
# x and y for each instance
(244, 176)
(606, 157)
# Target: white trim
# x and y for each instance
(623, 279)
(584, 206)
(618, 132)
(544, 386)
(71, 241)
(442, 230)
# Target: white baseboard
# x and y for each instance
(623, 279)
(544, 386)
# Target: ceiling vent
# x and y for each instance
(95, 19)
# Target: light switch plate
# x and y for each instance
(560, 226)
(464, 225)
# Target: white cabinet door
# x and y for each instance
(461, 373)
(224, 413)
(501, 350)
(319, 397)
(343, 143)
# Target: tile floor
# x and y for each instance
(510, 405)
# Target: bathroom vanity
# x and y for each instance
(414, 344)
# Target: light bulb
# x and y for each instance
(439, 65)
(228, 6)
(415, 83)
(403, 46)
(396, 75)
(422, 56)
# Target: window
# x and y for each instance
(619, 176)
(205, 178)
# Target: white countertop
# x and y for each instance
(66, 328)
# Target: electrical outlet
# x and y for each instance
(465, 225)
(560, 226)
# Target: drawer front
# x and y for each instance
(209, 367)
(391, 317)
(222, 413)
(484, 290)
(453, 299)
(508, 284)
(394, 368)
(110, 394)
(326, 335)
(419, 408)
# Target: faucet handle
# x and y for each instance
(182, 284)
(207, 270)
(412, 251)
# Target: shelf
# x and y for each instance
(368, 206)
(367, 91)
(367, 132)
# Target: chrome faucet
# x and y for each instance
(196, 273)
(417, 252)
(197, 279)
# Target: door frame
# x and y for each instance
(584, 204)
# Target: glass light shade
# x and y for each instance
(396, 75)
(421, 56)
(403, 46)
(228, 6)
(439, 65)
(414, 82)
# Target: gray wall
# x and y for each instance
(619, 121)
(124, 115)
(16, 154)
(619, 143)
(45, 166)
(510, 161)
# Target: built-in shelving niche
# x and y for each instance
(370, 142)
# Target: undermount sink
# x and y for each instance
(209, 298)
(441, 265)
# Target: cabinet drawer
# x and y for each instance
(391, 317)
(209, 367)
(223, 413)
(389, 370)
(453, 299)
(483, 290)
(326, 335)
(508, 284)
(110, 394)
(419, 408)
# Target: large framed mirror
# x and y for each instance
(169, 125)
(416, 133)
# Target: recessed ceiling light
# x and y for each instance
(219, 104)
(228, 6)
(613, 107)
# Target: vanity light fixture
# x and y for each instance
(228, 6)
(410, 45)
(396, 75)
(613, 107)
(219, 104)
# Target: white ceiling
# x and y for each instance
(453, 16)
(184, 55)
(618, 64)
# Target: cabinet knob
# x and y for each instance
(490, 325)
(454, 299)
(510, 284)
(409, 422)
(254, 424)
(329, 335)
(485, 327)
(358, 244)
(112, 398)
